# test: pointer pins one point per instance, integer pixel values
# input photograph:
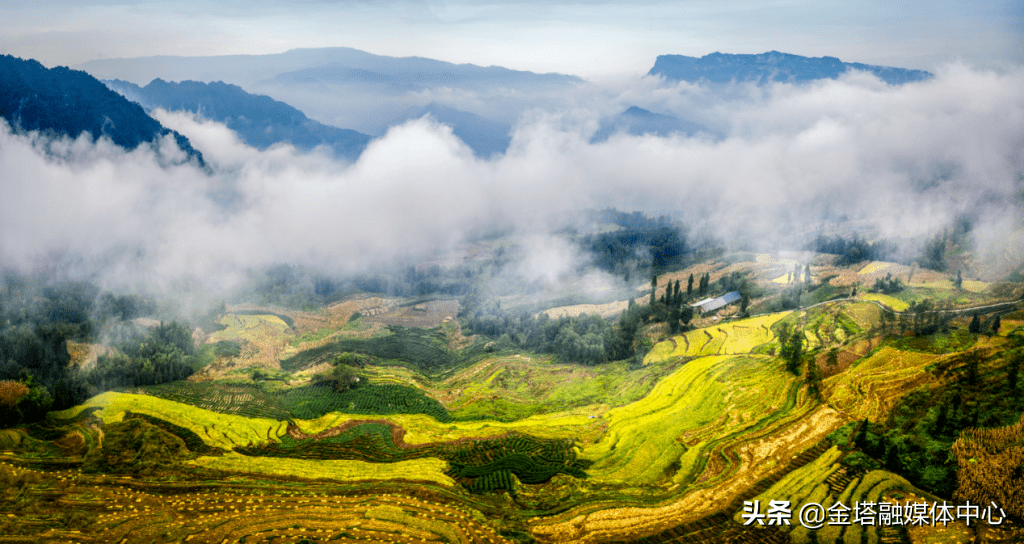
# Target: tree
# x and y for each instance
(814, 379)
(744, 303)
(807, 274)
(959, 281)
(975, 326)
(675, 292)
(686, 314)
(689, 286)
(791, 348)
(861, 440)
(996, 323)
(796, 344)
(654, 288)
(833, 357)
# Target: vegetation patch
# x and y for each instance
(425, 349)
(311, 402)
(939, 342)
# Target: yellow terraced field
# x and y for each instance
(735, 337)
(873, 267)
(430, 469)
(873, 386)
(246, 326)
(423, 429)
(892, 302)
(215, 429)
(646, 437)
(799, 485)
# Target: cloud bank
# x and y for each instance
(889, 161)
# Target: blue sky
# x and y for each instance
(584, 38)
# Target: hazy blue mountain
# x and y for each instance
(638, 121)
(413, 73)
(69, 102)
(771, 66)
(259, 121)
(484, 136)
(337, 64)
(345, 87)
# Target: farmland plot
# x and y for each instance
(872, 387)
(735, 337)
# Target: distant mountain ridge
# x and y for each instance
(484, 136)
(370, 93)
(69, 102)
(333, 63)
(638, 122)
(259, 121)
(771, 66)
(415, 73)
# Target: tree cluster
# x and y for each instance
(855, 250)
(166, 354)
(888, 285)
(36, 321)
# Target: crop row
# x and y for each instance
(307, 402)
(276, 516)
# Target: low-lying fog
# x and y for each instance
(892, 161)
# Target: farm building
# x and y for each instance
(711, 304)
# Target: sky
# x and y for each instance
(590, 39)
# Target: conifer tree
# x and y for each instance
(814, 379)
(861, 440)
(975, 326)
(996, 323)
(689, 287)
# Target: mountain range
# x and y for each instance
(260, 96)
(772, 66)
(259, 121)
(321, 65)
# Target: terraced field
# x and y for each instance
(890, 301)
(217, 430)
(870, 388)
(728, 338)
(501, 448)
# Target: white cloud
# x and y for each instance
(904, 160)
